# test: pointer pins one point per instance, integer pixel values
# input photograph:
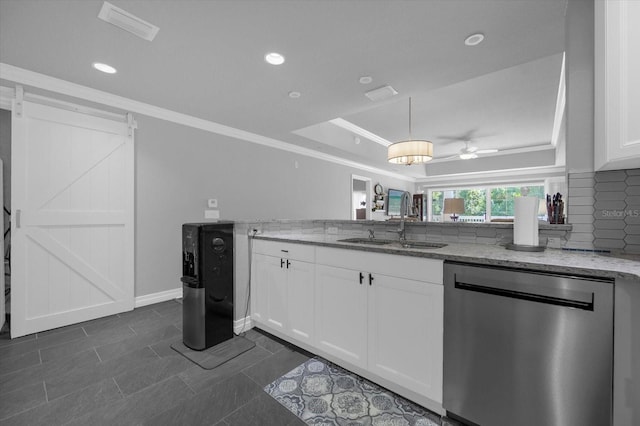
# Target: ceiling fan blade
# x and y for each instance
(462, 137)
(451, 157)
(468, 155)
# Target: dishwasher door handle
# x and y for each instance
(532, 297)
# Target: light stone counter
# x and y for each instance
(551, 260)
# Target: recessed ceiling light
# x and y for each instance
(474, 39)
(365, 79)
(274, 58)
(104, 68)
(294, 95)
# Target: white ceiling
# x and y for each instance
(207, 61)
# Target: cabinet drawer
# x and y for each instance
(287, 250)
(413, 268)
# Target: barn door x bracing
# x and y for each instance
(72, 219)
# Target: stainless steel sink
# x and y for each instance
(374, 241)
(419, 244)
(395, 243)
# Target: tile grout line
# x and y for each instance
(153, 350)
(118, 386)
(21, 412)
(237, 409)
(186, 384)
(46, 394)
(250, 378)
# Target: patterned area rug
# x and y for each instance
(321, 393)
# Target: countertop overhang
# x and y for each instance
(550, 260)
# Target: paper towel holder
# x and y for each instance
(520, 247)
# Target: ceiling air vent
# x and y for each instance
(128, 22)
(381, 93)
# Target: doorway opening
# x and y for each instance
(360, 198)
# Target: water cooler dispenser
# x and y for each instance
(207, 284)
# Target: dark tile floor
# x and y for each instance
(120, 370)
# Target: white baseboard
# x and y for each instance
(162, 296)
(242, 325)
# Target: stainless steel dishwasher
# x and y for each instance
(523, 348)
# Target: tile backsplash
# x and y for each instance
(616, 210)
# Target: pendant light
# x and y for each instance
(411, 151)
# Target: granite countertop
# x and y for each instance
(551, 260)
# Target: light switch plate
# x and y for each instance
(212, 214)
(212, 203)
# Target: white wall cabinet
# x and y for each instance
(617, 87)
(283, 287)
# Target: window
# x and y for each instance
(492, 203)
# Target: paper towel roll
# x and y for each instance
(525, 222)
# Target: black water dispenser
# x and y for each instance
(207, 284)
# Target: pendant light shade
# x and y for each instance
(412, 151)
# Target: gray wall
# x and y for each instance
(579, 47)
(178, 168)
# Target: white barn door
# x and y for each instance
(72, 217)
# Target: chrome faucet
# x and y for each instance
(404, 205)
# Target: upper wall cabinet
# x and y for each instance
(617, 86)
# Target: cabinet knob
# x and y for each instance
(361, 277)
(370, 279)
(281, 262)
(288, 263)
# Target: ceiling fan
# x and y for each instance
(470, 152)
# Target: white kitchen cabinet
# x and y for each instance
(283, 287)
(617, 87)
(383, 313)
(341, 313)
(380, 315)
(300, 299)
(270, 289)
(406, 332)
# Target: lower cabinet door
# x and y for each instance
(405, 333)
(270, 288)
(341, 314)
(300, 297)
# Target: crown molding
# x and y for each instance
(41, 81)
(506, 175)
